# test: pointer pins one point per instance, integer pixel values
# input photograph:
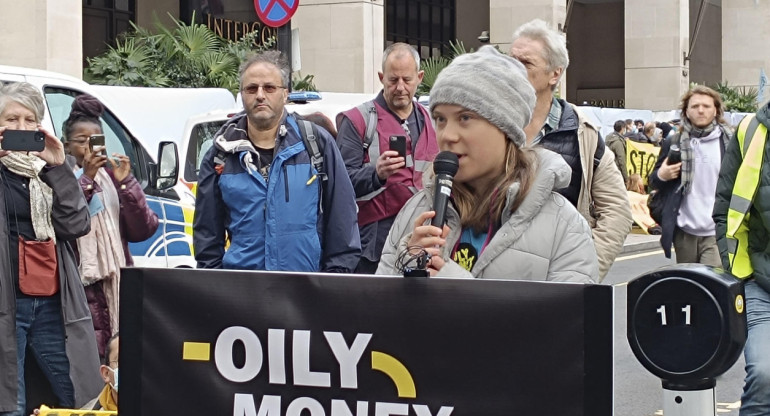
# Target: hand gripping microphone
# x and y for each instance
(445, 167)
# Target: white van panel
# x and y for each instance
(159, 114)
(171, 246)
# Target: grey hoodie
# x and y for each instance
(545, 239)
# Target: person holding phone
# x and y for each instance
(685, 175)
(505, 219)
(386, 144)
(119, 213)
(43, 211)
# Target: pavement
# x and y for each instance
(637, 241)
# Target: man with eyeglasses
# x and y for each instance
(259, 190)
(383, 179)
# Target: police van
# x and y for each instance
(145, 124)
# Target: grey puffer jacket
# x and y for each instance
(545, 239)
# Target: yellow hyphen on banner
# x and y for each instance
(641, 158)
(45, 411)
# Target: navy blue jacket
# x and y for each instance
(672, 195)
(287, 223)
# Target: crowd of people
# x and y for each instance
(537, 190)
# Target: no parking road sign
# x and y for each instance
(275, 13)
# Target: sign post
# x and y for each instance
(278, 14)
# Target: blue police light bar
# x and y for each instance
(304, 96)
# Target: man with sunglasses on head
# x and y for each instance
(262, 189)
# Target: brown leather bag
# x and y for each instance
(38, 268)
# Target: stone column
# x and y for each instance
(43, 34)
(341, 43)
(657, 40)
(744, 42)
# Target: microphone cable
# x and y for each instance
(413, 262)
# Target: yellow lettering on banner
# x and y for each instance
(641, 158)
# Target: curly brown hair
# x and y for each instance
(703, 90)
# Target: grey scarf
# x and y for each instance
(685, 146)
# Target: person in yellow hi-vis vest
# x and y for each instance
(742, 217)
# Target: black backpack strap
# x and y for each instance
(599, 152)
(311, 144)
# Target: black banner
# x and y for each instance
(203, 342)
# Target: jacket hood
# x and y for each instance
(553, 173)
(763, 114)
(233, 137)
(613, 136)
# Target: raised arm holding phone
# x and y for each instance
(119, 213)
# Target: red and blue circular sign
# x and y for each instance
(275, 13)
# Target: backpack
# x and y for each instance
(313, 149)
(369, 114)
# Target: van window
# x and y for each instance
(201, 140)
(116, 138)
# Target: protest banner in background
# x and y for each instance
(211, 342)
(641, 158)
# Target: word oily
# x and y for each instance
(347, 359)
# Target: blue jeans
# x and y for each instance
(756, 391)
(39, 325)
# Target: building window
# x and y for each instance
(103, 21)
(428, 25)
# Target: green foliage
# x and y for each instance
(433, 65)
(457, 48)
(737, 99)
(182, 56)
(303, 84)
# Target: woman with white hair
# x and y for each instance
(43, 307)
(504, 220)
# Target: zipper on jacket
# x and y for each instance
(286, 182)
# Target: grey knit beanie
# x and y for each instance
(493, 85)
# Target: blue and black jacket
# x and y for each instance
(291, 222)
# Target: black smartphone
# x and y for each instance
(24, 140)
(96, 140)
(674, 155)
(398, 143)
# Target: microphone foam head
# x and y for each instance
(446, 163)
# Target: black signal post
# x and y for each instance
(687, 325)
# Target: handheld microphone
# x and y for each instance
(445, 167)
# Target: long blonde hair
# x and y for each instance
(479, 208)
